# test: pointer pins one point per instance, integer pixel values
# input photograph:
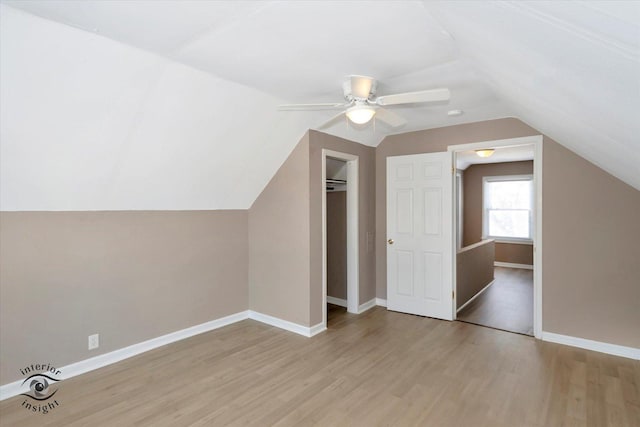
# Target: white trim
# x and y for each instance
(315, 330)
(513, 242)
(485, 206)
(498, 143)
(367, 305)
(475, 296)
(381, 302)
(323, 199)
(459, 205)
(286, 325)
(537, 247)
(537, 141)
(83, 366)
(602, 347)
(512, 265)
(337, 301)
(353, 250)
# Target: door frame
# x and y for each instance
(536, 141)
(353, 267)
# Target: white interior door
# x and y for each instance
(419, 233)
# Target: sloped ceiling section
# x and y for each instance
(569, 69)
(91, 124)
(172, 105)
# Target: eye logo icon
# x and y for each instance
(39, 387)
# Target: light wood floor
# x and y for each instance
(506, 305)
(378, 368)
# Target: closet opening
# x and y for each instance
(339, 234)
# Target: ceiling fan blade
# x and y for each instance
(432, 95)
(361, 86)
(311, 107)
(390, 118)
(332, 121)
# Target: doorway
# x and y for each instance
(340, 278)
(336, 213)
(497, 268)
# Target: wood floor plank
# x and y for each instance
(377, 368)
(507, 304)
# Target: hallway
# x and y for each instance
(507, 304)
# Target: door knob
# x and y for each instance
(390, 241)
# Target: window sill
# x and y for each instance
(510, 241)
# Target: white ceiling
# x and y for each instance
(216, 70)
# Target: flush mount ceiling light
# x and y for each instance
(485, 152)
(360, 114)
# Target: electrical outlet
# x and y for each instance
(94, 341)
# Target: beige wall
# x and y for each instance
(514, 253)
(285, 233)
(366, 215)
(129, 276)
(473, 206)
(474, 270)
(428, 141)
(337, 244)
(591, 256)
(132, 276)
(590, 233)
(279, 257)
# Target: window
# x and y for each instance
(508, 208)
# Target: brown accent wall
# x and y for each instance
(474, 270)
(279, 246)
(429, 141)
(128, 275)
(473, 206)
(366, 215)
(514, 253)
(337, 244)
(591, 256)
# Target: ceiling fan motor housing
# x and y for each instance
(348, 92)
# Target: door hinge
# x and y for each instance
(453, 294)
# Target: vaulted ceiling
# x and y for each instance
(173, 105)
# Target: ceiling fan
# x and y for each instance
(362, 103)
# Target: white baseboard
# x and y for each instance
(15, 388)
(475, 296)
(315, 330)
(366, 306)
(381, 302)
(602, 347)
(337, 301)
(512, 265)
(307, 331)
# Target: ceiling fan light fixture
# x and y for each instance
(360, 114)
(487, 152)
